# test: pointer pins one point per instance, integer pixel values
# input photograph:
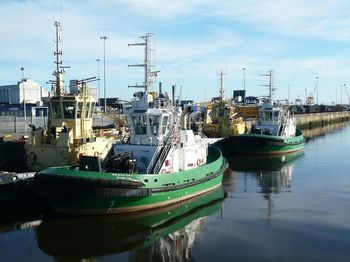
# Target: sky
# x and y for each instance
(300, 40)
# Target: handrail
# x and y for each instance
(151, 163)
(202, 135)
(160, 154)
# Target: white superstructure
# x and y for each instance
(158, 142)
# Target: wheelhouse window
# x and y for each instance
(87, 109)
(56, 109)
(80, 108)
(154, 122)
(140, 125)
(92, 109)
(69, 109)
(276, 115)
(268, 115)
(164, 124)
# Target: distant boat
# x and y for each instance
(274, 133)
(161, 164)
(220, 119)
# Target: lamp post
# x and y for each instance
(243, 78)
(336, 96)
(24, 101)
(288, 95)
(98, 80)
(341, 94)
(317, 87)
(104, 38)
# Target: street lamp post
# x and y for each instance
(317, 87)
(336, 96)
(104, 38)
(341, 94)
(243, 78)
(24, 101)
(98, 80)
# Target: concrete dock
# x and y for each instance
(320, 119)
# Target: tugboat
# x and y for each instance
(69, 132)
(162, 163)
(274, 133)
(221, 117)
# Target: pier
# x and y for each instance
(320, 119)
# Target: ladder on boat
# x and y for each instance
(160, 155)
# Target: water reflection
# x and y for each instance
(273, 173)
(311, 134)
(164, 234)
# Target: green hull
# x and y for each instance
(86, 192)
(92, 236)
(257, 144)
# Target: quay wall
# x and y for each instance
(320, 119)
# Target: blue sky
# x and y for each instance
(298, 39)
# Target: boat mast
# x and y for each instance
(270, 85)
(149, 74)
(59, 90)
(222, 92)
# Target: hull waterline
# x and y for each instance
(256, 144)
(90, 193)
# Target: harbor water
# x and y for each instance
(286, 208)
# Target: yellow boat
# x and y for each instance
(221, 119)
(69, 130)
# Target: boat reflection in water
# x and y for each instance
(164, 234)
(273, 173)
(313, 133)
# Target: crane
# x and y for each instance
(310, 99)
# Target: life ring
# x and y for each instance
(96, 154)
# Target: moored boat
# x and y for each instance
(274, 133)
(220, 119)
(69, 130)
(161, 164)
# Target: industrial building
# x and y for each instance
(26, 91)
(91, 90)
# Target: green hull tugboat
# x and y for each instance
(275, 132)
(161, 164)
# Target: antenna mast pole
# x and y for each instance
(149, 74)
(270, 85)
(222, 92)
(58, 73)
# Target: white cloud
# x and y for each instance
(194, 40)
